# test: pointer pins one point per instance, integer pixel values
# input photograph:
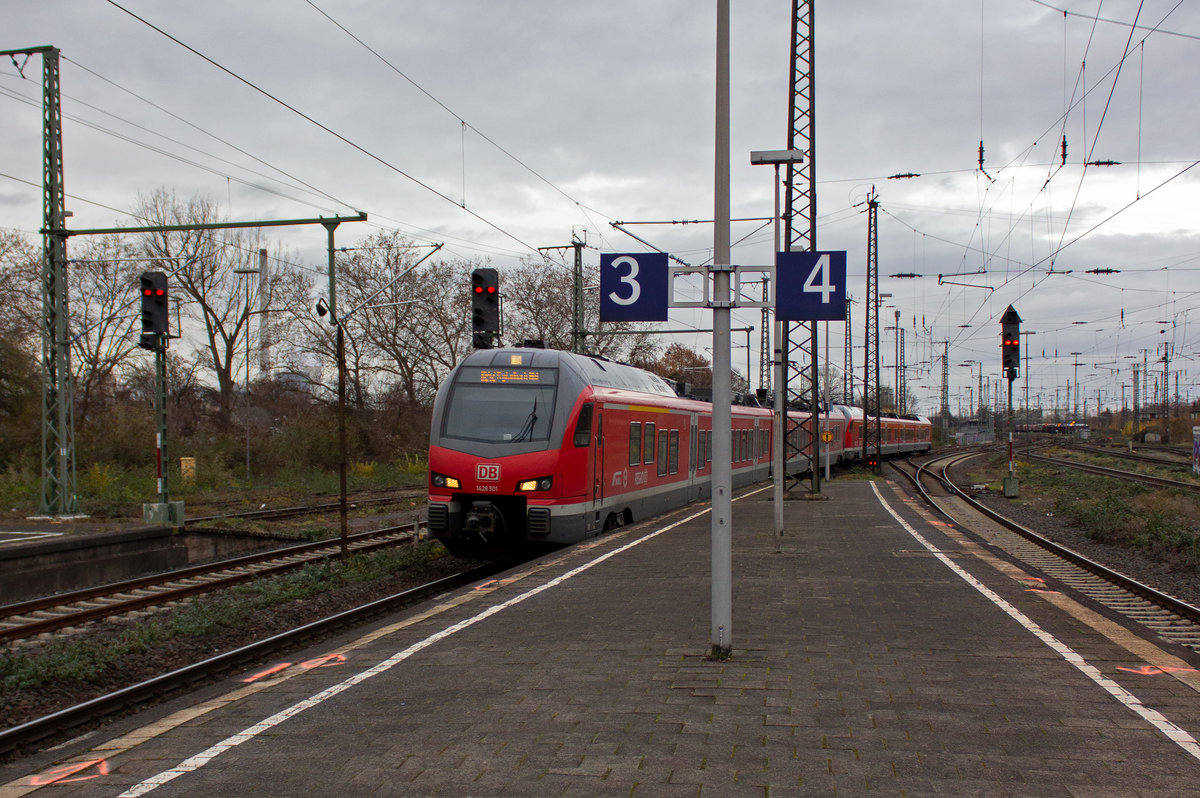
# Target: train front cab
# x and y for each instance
(509, 442)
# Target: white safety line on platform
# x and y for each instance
(204, 757)
(22, 537)
(1129, 700)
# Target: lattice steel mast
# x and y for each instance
(848, 361)
(800, 234)
(871, 407)
(945, 406)
(58, 417)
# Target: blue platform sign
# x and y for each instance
(633, 287)
(810, 286)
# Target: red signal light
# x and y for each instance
(491, 289)
(479, 289)
(147, 292)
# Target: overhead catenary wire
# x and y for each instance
(346, 140)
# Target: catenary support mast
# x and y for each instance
(800, 234)
(871, 432)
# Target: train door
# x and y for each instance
(694, 455)
(598, 461)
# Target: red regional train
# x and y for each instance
(536, 446)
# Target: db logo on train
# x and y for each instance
(487, 472)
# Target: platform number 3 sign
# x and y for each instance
(633, 287)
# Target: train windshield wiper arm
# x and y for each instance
(527, 427)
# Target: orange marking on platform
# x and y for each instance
(1155, 670)
(60, 776)
(494, 583)
(941, 523)
(269, 671)
(324, 662)
(1043, 592)
(1030, 579)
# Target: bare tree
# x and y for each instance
(103, 303)
(19, 400)
(104, 316)
(20, 288)
(202, 265)
(538, 305)
(408, 324)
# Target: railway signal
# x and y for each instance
(154, 308)
(485, 307)
(1010, 346)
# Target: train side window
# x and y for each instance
(648, 448)
(635, 443)
(583, 426)
(674, 452)
(708, 446)
(662, 453)
(700, 444)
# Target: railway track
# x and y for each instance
(67, 720)
(1180, 462)
(1132, 476)
(29, 619)
(277, 513)
(1160, 612)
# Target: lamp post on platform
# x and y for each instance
(246, 389)
(778, 158)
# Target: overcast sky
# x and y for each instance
(551, 119)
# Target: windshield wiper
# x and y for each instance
(527, 427)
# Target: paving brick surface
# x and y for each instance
(862, 666)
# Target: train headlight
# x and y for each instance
(541, 483)
(443, 481)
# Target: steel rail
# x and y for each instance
(287, 512)
(65, 719)
(1164, 600)
(1120, 454)
(247, 568)
(1161, 482)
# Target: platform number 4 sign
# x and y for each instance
(811, 286)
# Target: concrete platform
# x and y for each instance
(876, 652)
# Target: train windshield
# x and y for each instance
(501, 404)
